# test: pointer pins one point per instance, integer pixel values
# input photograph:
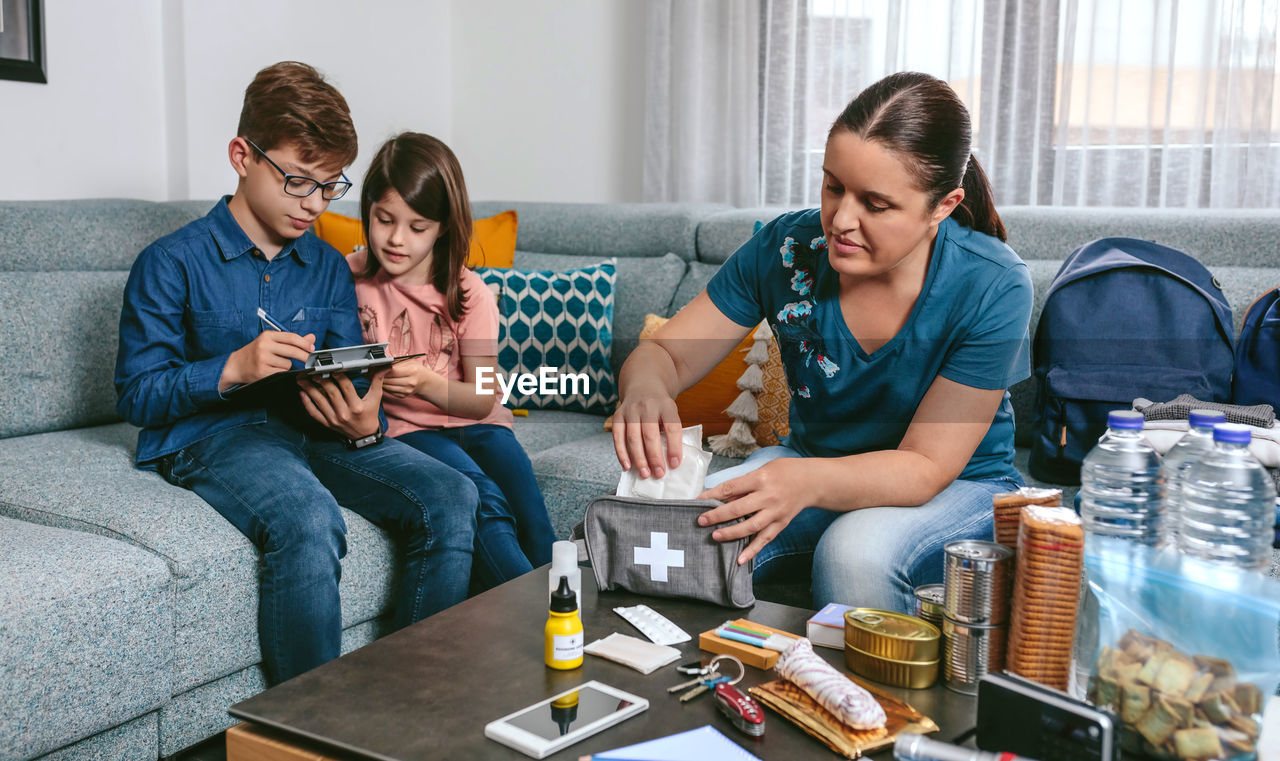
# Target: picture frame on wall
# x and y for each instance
(22, 41)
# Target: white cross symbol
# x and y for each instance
(658, 557)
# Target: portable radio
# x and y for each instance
(1017, 715)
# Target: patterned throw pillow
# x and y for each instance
(558, 320)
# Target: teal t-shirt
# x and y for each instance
(969, 325)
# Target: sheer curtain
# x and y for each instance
(1074, 102)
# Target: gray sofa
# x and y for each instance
(127, 623)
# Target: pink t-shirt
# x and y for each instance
(415, 319)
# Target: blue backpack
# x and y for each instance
(1257, 376)
(1123, 319)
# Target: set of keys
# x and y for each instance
(741, 710)
(705, 678)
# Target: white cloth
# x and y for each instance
(1163, 434)
(645, 657)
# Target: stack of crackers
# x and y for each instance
(1046, 593)
(1008, 507)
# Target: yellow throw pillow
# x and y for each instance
(340, 231)
(493, 241)
(705, 401)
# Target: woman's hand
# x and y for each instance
(335, 404)
(771, 496)
(639, 425)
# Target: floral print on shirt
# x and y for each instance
(795, 321)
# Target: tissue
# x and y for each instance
(685, 482)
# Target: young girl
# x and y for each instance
(417, 295)
(901, 317)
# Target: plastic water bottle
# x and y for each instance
(1228, 503)
(1120, 483)
(1177, 461)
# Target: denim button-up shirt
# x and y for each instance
(191, 300)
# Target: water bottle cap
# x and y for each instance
(1232, 433)
(1206, 418)
(1127, 420)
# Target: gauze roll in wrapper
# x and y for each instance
(832, 690)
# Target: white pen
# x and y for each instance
(262, 315)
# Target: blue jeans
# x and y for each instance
(874, 557)
(282, 490)
(513, 531)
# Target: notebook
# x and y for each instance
(826, 628)
(699, 744)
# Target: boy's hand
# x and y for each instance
(271, 352)
(335, 404)
(409, 378)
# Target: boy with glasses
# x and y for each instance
(277, 460)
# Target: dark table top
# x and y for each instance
(427, 691)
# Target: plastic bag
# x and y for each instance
(1184, 651)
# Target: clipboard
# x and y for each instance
(325, 363)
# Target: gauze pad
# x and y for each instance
(645, 657)
(685, 482)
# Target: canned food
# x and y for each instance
(886, 634)
(976, 578)
(929, 603)
(969, 652)
(914, 675)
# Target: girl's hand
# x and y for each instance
(335, 404)
(639, 425)
(409, 378)
(771, 495)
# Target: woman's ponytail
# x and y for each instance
(978, 209)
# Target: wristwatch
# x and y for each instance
(364, 441)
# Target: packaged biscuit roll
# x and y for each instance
(1007, 507)
(1046, 594)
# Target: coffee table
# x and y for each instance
(427, 691)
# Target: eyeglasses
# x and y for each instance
(300, 187)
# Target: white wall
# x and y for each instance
(549, 98)
(389, 58)
(97, 129)
(541, 100)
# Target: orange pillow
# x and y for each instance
(340, 231)
(493, 239)
(705, 402)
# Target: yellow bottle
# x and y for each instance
(563, 633)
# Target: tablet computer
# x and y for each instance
(562, 720)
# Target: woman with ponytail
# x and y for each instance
(902, 318)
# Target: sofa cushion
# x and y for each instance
(544, 429)
(97, 234)
(694, 282)
(1215, 237)
(84, 479)
(721, 234)
(201, 712)
(58, 356)
(644, 285)
(86, 636)
(134, 741)
(558, 320)
(623, 230)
